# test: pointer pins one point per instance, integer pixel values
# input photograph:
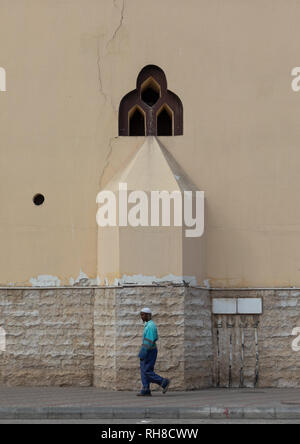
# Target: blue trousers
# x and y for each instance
(147, 370)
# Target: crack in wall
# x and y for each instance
(110, 149)
(99, 62)
(119, 25)
(101, 89)
(100, 80)
(100, 71)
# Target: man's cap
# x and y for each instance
(146, 310)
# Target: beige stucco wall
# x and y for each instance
(68, 65)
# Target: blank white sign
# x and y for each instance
(249, 306)
(224, 306)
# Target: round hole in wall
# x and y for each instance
(38, 199)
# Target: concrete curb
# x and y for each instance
(208, 412)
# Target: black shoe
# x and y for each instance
(166, 386)
(144, 394)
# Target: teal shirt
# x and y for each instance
(150, 335)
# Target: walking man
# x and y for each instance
(148, 354)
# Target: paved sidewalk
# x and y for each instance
(92, 403)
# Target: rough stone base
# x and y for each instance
(256, 350)
(183, 318)
(49, 337)
(91, 336)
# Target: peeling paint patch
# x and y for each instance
(139, 279)
(45, 280)
(84, 280)
(206, 283)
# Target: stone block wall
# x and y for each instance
(279, 363)
(198, 349)
(183, 318)
(256, 350)
(105, 338)
(167, 304)
(116, 360)
(49, 337)
(91, 336)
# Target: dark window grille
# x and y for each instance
(164, 123)
(137, 123)
(151, 109)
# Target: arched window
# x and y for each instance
(165, 121)
(136, 122)
(150, 91)
(151, 109)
